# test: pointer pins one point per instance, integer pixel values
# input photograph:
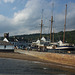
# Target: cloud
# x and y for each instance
(30, 16)
(11, 1)
(60, 18)
(27, 20)
(14, 8)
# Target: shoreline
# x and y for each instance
(63, 59)
(21, 56)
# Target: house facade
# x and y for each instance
(6, 46)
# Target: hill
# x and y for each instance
(70, 37)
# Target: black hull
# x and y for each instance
(68, 49)
(6, 50)
(64, 50)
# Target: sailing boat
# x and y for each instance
(61, 45)
(52, 43)
(40, 43)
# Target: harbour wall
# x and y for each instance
(66, 59)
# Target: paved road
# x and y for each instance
(23, 67)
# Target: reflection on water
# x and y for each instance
(22, 67)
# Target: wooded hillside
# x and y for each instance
(70, 37)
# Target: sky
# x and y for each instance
(20, 17)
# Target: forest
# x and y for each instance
(69, 37)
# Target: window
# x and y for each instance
(4, 46)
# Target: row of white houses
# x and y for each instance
(5, 45)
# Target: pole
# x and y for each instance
(53, 35)
(41, 29)
(51, 23)
(51, 28)
(41, 25)
(65, 24)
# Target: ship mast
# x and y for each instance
(53, 35)
(51, 23)
(51, 28)
(41, 25)
(65, 24)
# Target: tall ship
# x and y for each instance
(60, 45)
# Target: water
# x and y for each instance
(23, 67)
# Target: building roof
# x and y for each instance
(5, 43)
(5, 39)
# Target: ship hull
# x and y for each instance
(6, 50)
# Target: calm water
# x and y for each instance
(24, 67)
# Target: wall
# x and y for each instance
(7, 47)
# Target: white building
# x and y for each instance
(6, 46)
